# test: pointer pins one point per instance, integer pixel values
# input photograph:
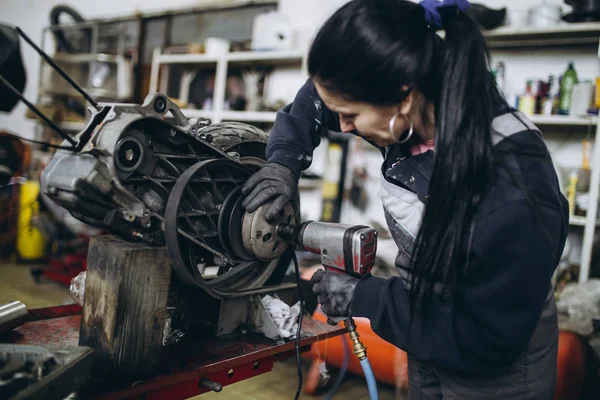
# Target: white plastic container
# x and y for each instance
(581, 99)
(544, 15)
(272, 31)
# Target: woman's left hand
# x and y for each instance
(334, 292)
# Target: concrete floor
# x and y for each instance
(16, 283)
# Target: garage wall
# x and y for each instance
(33, 15)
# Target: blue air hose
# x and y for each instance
(360, 351)
(370, 377)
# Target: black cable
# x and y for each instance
(54, 146)
(58, 69)
(37, 112)
(298, 329)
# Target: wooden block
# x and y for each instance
(126, 293)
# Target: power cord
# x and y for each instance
(298, 329)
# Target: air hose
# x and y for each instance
(361, 352)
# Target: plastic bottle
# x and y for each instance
(549, 103)
(571, 191)
(568, 81)
(527, 101)
(541, 94)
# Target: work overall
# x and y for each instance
(404, 188)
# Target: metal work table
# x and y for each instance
(185, 365)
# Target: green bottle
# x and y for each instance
(566, 89)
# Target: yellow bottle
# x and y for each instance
(31, 245)
(571, 189)
(527, 101)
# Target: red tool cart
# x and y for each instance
(189, 369)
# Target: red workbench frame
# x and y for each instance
(224, 361)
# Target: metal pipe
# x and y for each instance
(58, 69)
(212, 385)
(37, 112)
(12, 315)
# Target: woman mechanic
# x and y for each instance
(478, 218)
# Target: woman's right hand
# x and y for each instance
(272, 182)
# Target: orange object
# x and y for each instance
(597, 93)
(571, 366)
(390, 364)
(585, 163)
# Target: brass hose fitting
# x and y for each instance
(359, 349)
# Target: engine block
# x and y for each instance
(148, 173)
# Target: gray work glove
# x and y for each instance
(272, 182)
(334, 292)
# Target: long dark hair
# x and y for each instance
(370, 49)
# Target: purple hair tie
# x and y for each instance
(432, 13)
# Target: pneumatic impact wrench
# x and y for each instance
(348, 249)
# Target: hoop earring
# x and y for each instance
(410, 129)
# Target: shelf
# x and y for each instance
(576, 220)
(563, 34)
(270, 57)
(72, 126)
(237, 116)
(563, 120)
(263, 57)
(269, 117)
(249, 116)
(193, 113)
(186, 59)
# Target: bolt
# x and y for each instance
(128, 217)
(52, 190)
(218, 207)
(362, 237)
(148, 141)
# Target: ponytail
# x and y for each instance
(463, 164)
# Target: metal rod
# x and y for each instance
(12, 315)
(58, 69)
(37, 112)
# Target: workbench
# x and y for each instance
(189, 368)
